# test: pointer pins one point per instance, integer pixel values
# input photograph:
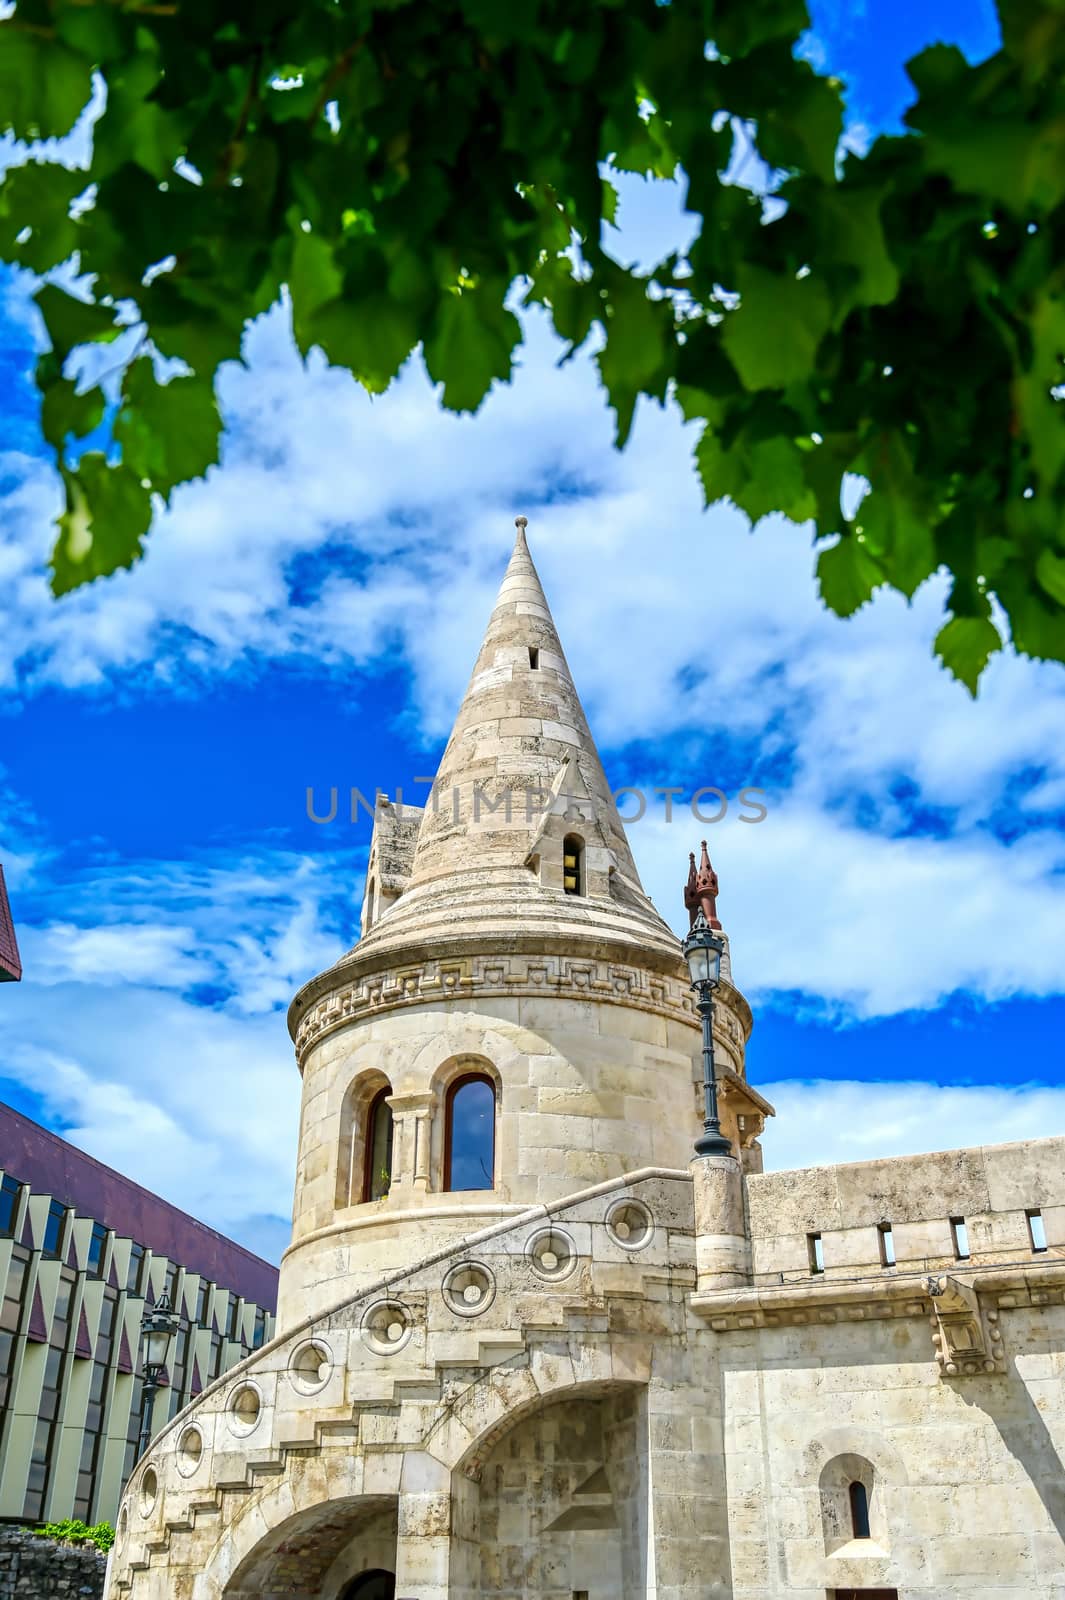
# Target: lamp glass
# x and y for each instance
(704, 961)
(157, 1340)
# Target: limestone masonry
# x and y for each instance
(530, 1347)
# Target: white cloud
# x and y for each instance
(151, 1018)
(863, 925)
(820, 1123)
(196, 1105)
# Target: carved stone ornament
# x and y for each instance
(967, 1337)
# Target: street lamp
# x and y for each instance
(702, 951)
(158, 1330)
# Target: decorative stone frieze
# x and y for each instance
(607, 982)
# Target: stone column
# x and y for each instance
(722, 1244)
(436, 1547)
(410, 1140)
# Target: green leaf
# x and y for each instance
(1050, 571)
(636, 357)
(760, 478)
(895, 516)
(803, 132)
(850, 232)
(169, 432)
(37, 197)
(108, 512)
(964, 645)
(314, 279)
(371, 337)
(472, 342)
(847, 574)
(772, 337)
(71, 322)
(44, 85)
(65, 412)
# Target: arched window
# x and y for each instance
(573, 864)
(470, 1133)
(859, 1499)
(377, 1163)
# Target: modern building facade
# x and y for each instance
(83, 1253)
(529, 1345)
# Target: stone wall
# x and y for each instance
(993, 1190)
(41, 1569)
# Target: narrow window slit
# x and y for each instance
(817, 1254)
(534, 657)
(859, 1499)
(573, 864)
(886, 1236)
(959, 1234)
(1037, 1233)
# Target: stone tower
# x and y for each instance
(531, 1348)
(478, 959)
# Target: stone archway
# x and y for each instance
(563, 1500)
(320, 1552)
(376, 1584)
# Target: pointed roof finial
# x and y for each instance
(521, 523)
(701, 889)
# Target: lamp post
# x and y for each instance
(158, 1330)
(702, 951)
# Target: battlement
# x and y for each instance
(994, 1204)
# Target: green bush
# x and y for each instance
(74, 1531)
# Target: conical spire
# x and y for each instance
(519, 788)
(520, 746)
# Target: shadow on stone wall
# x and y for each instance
(1010, 1406)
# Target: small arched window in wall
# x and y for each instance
(470, 1133)
(573, 864)
(859, 1502)
(377, 1167)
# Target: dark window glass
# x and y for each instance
(470, 1142)
(133, 1431)
(170, 1282)
(859, 1500)
(258, 1338)
(97, 1241)
(133, 1274)
(53, 1228)
(573, 864)
(15, 1290)
(10, 1190)
(377, 1178)
(202, 1296)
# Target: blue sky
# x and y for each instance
(308, 616)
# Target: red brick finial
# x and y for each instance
(701, 889)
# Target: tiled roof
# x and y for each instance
(10, 965)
